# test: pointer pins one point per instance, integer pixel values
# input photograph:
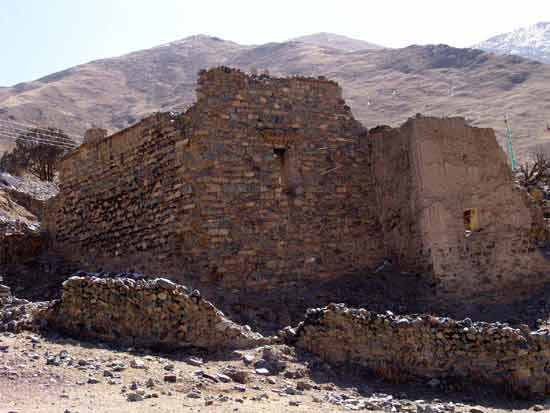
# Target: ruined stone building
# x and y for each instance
(266, 181)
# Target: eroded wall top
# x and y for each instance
(466, 215)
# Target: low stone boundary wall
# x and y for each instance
(147, 313)
(397, 347)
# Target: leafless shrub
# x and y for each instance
(536, 171)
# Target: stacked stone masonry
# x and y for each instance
(20, 247)
(267, 181)
(405, 347)
(262, 181)
(147, 313)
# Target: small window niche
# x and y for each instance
(286, 178)
(280, 153)
(471, 220)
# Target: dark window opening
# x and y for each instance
(280, 153)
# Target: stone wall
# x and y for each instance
(284, 190)
(118, 198)
(263, 181)
(94, 135)
(20, 247)
(147, 313)
(404, 347)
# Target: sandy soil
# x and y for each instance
(52, 374)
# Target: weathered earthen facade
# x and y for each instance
(449, 207)
(266, 181)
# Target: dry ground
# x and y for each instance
(29, 384)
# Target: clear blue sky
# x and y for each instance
(38, 37)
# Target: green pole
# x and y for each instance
(511, 153)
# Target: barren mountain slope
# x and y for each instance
(382, 86)
(336, 41)
(119, 91)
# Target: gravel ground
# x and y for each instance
(54, 374)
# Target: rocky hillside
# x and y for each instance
(382, 86)
(21, 202)
(532, 42)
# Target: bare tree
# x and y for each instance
(37, 152)
(536, 171)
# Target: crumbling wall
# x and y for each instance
(20, 247)
(392, 166)
(264, 181)
(17, 315)
(451, 170)
(155, 313)
(460, 168)
(117, 199)
(401, 347)
(283, 189)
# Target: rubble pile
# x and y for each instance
(404, 347)
(16, 314)
(29, 185)
(147, 313)
(22, 201)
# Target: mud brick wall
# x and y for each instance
(263, 181)
(392, 169)
(449, 168)
(149, 313)
(401, 347)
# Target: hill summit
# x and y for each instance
(532, 42)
